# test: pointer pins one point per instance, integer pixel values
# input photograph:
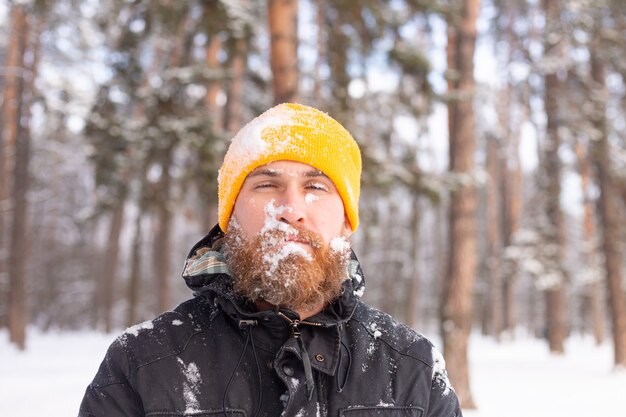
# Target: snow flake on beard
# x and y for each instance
(340, 244)
(274, 259)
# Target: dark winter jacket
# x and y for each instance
(216, 355)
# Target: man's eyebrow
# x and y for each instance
(315, 173)
(266, 172)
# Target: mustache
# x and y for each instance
(277, 236)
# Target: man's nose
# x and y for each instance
(294, 203)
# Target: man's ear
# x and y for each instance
(347, 229)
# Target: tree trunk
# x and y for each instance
(283, 27)
(338, 44)
(413, 285)
(162, 244)
(610, 219)
(234, 106)
(109, 270)
(321, 51)
(213, 87)
(16, 158)
(18, 250)
(9, 131)
(510, 178)
(207, 203)
(388, 296)
(135, 271)
(512, 208)
(593, 291)
(555, 294)
(456, 306)
(494, 242)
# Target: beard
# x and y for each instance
(268, 267)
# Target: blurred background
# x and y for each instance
(493, 136)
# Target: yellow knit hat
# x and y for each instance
(292, 132)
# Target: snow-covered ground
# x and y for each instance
(510, 379)
(522, 379)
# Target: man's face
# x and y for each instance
(291, 194)
(287, 238)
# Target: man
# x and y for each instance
(276, 325)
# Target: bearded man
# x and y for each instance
(276, 325)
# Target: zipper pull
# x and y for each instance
(295, 330)
(293, 324)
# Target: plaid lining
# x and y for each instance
(209, 263)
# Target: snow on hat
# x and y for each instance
(292, 132)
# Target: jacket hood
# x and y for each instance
(207, 274)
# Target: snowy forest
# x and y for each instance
(493, 136)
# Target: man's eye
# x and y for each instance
(264, 185)
(317, 186)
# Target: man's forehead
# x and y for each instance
(286, 168)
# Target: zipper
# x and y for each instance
(306, 362)
(294, 324)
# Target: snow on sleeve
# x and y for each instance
(134, 330)
(373, 344)
(177, 322)
(191, 387)
(375, 331)
(440, 376)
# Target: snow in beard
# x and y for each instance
(340, 244)
(271, 223)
